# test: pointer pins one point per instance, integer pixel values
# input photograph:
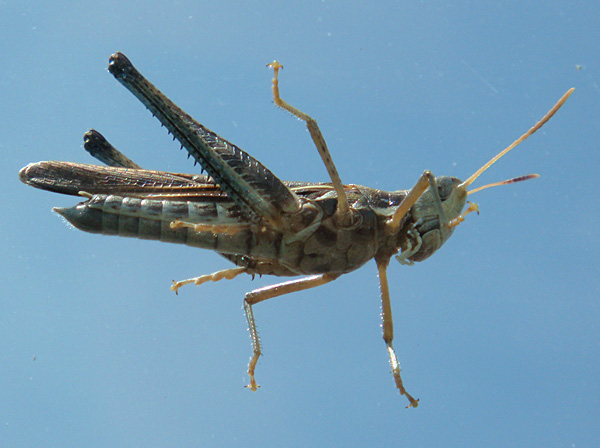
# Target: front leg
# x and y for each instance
(427, 180)
(268, 292)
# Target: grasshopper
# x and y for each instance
(242, 211)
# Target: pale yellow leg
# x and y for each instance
(226, 274)
(388, 329)
(343, 213)
(268, 292)
(426, 180)
(473, 207)
(227, 229)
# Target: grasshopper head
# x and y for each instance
(432, 226)
(433, 219)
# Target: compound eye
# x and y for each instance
(445, 185)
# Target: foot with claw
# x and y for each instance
(473, 207)
(226, 274)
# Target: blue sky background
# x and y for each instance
(498, 333)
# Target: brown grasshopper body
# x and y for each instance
(320, 246)
(245, 213)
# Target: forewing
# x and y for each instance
(73, 178)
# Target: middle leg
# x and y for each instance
(388, 329)
(268, 292)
